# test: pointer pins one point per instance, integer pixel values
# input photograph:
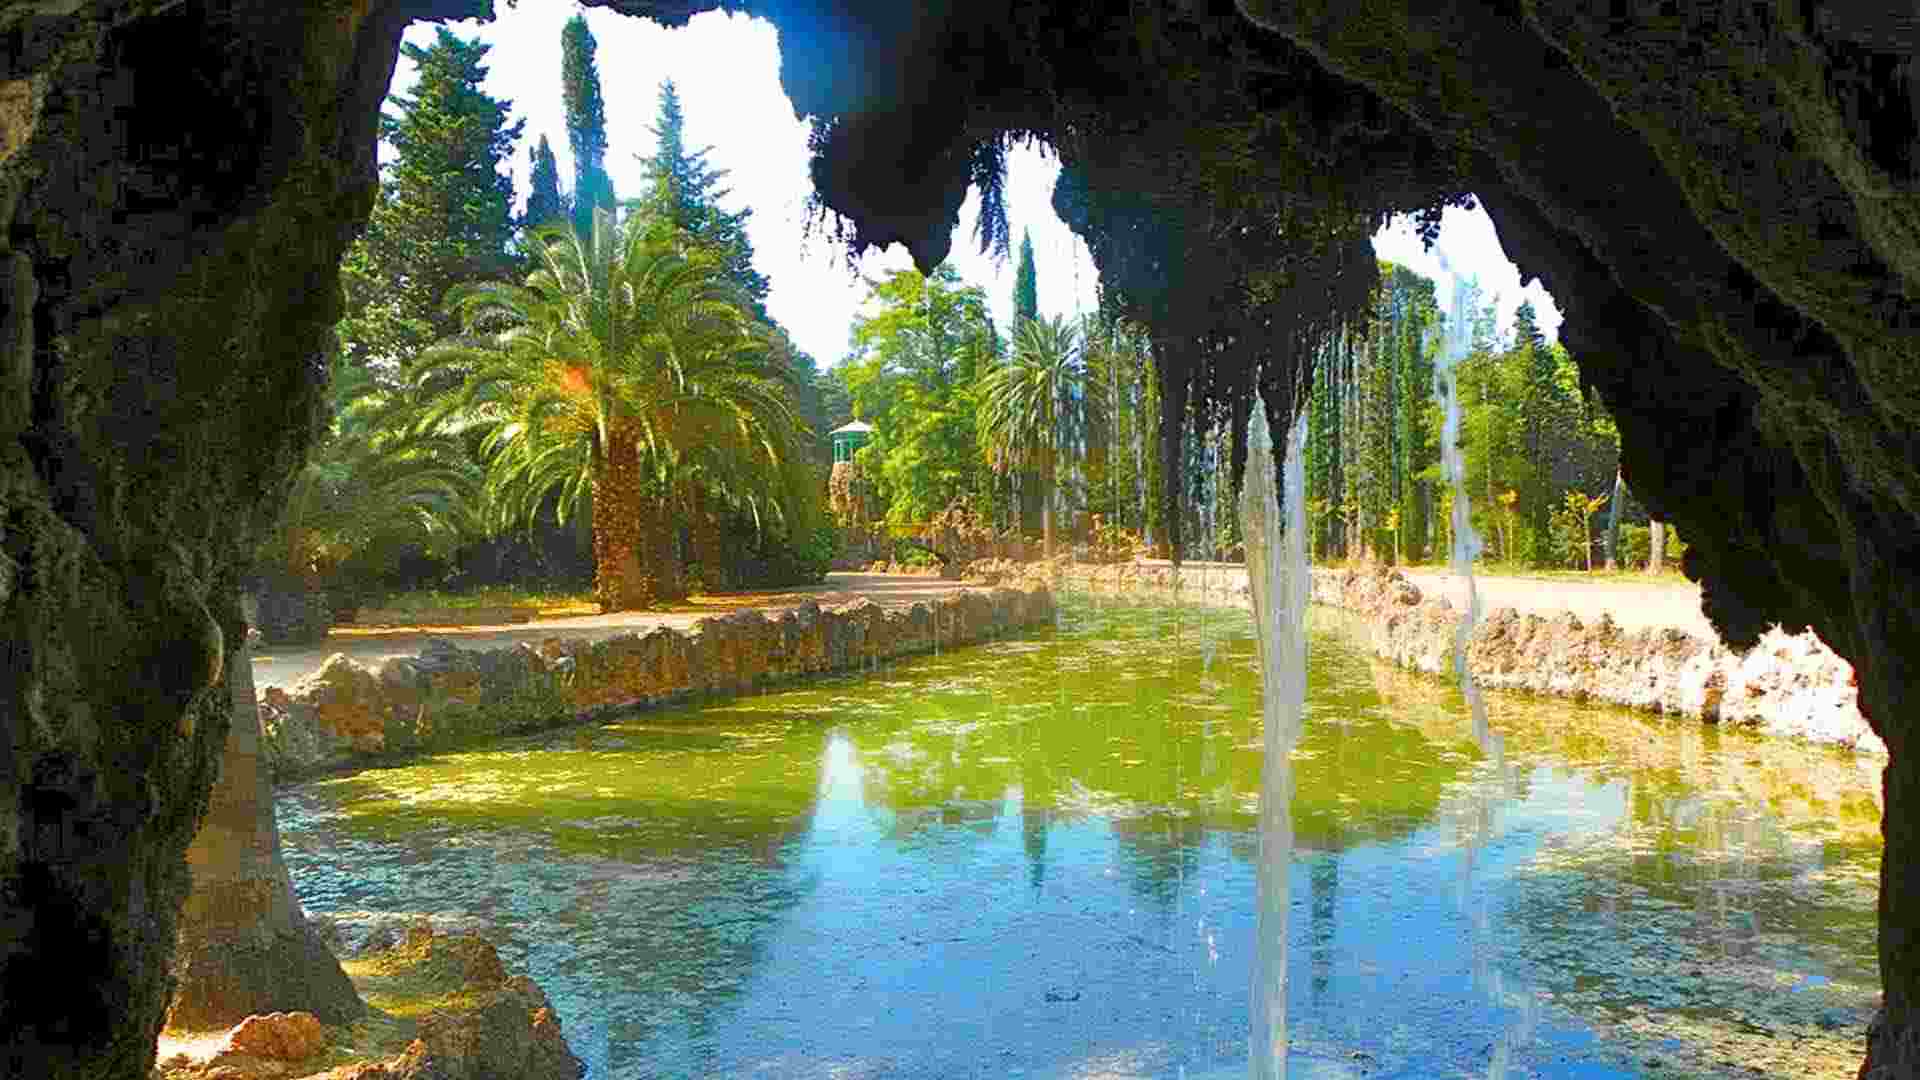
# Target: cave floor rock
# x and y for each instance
(442, 1007)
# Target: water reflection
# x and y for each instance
(1036, 858)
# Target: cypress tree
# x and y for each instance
(444, 214)
(1539, 418)
(586, 123)
(545, 204)
(1026, 288)
(1026, 308)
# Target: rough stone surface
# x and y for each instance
(281, 1036)
(513, 1032)
(179, 181)
(346, 712)
(1789, 685)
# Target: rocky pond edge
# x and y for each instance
(1790, 685)
(348, 715)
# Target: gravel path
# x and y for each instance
(1659, 602)
(1634, 604)
(282, 666)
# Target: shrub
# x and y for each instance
(1636, 545)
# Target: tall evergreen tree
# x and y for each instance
(690, 187)
(545, 203)
(586, 124)
(1026, 287)
(1542, 421)
(444, 214)
(1027, 483)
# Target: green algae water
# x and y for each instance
(1035, 858)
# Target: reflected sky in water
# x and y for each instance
(1033, 858)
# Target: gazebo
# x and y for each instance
(848, 438)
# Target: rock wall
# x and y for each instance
(1789, 685)
(347, 713)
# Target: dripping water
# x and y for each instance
(1455, 344)
(1275, 532)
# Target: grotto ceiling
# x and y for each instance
(1722, 197)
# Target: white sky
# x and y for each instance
(727, 71)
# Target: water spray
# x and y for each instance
(1274, 526)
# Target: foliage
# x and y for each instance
(913, 373)
(370, 490)
(1571, 528)
(1636, 547)
(779, 554)
(1034, 412)
(633, 342)
(1373, 427)
(1026, 285)
(1122, 462)
(586, 124)
(691, 189)
(546, 204)
(443, 215)
(1528, 434)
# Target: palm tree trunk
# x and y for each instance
(657, 543)
(619, 578)
(244, 945)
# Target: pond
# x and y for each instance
(1034, 858)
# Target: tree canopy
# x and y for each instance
(444, 212)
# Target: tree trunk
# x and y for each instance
(245, 947)
(1046, 504)
(1657, 554)
(705, 528)
(657, 548)
(620, 581)
(1613, 520)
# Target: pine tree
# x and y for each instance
(444, 214)
(545, 203)
(1026, 294)
(586, 124)
(690, 188)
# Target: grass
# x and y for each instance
(536, 600)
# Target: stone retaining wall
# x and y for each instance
(347, 713)
(1790, 685)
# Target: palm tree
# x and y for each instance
(1033, 409)
(619, 356)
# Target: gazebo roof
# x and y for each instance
(854, 428)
